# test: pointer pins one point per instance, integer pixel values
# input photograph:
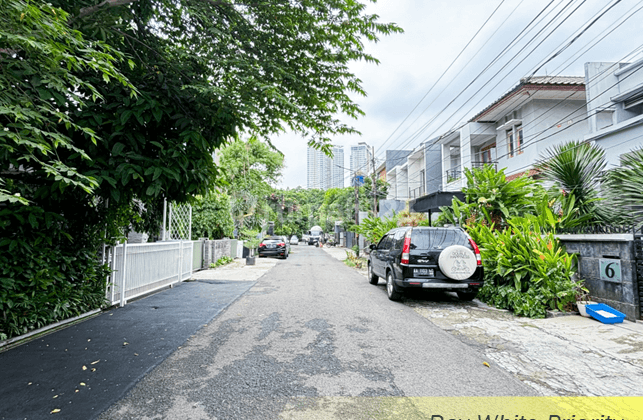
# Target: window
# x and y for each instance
(422, 181)
(487, 153)
(514, 141)
(398, 240)
(385, 243)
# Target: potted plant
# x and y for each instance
(251, 241)
(582, 298)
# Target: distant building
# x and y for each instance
(324, 172)
(360, 159)
(337, 169)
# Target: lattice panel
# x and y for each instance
(179, 222)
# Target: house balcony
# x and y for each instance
(416, 192)
(453, 174)
(480, 164)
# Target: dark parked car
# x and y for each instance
(427, 257)
(275, 246)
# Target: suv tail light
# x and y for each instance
(476, 251)
(261, 245)
(406, 248)
(281, 244)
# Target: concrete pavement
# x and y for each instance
(560, 356)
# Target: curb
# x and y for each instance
(46, 329)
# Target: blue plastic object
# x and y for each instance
(605, 314)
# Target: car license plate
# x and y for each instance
(271, 246)
(423, 272)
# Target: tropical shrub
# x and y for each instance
(490, 199)
(406, 218)
(373, 228)
(625, 183)
(46, 274)
(221, 261)
(576, 168)
(211, 216)
(526, 268)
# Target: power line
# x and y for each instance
(560, 13)
(476, 104)
(519, 36)
(447, 69)
(490, 64)
(528, 144)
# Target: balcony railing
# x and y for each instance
(480, 164)
(453, 174)
(416, 192)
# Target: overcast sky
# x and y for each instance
(436, 31)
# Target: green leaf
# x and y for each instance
(118, 149)
(125, 115)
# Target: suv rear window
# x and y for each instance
(432, 238)
(398, 240)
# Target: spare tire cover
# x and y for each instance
(457, 262)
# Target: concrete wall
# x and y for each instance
(433, 166)
(415, 175)
(621, 295)
(213, 250)
(614, 128)
(387, 207)
(137, 238)
(395, 158)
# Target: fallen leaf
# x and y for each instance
(55, 396)
(76, 391)
(89, 339)
(486, 364)
(93, 369)
(55, 410)
(93, 363)
(82, 384)
(29, 383)
(125, 343)
(84, 367)
(135, 354)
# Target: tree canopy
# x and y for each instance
(203, 71)
(109, 106)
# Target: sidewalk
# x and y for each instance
(561, 356)
(83, 369)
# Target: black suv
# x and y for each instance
(427, 257)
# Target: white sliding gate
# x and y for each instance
(138, 269)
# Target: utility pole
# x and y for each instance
(356, 208)
(356, 198)
(374, 183)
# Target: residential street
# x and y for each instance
(308, 338)
(313, 328)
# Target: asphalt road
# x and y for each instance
(312, 339)
(82, 370)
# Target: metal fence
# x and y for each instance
(138, 269)
(600, 229)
